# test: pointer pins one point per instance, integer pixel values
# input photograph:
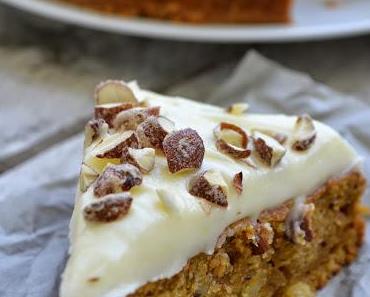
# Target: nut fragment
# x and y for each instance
(131, 118)
(231, 140)
(108, 208)
(87, 177)
(278, 136)
(299, 222)
(122, 141)
(141, 158)
(113, 91)
(262, 238)
(108, 112)
(211, 186)
(267, 149)
(238, 182)
(238, 108)
(153, 130)
(93, 130)
(304, 133)
(184, 149)
(117, 178)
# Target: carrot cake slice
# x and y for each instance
(181, 198)
(196, 11)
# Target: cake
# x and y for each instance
(204, 11)
(180, 198)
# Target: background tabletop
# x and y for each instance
(48, 71)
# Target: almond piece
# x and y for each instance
(109, 111)
(278, 136)
(211, 186)
(304, 133)
(117, 178)
(238, 182)
(267, 149)
(93, 130)
(299, 222)
(114, 91)
(126, 139)
(153, 130)
(238, 108)
(262, 239)
(108, 208)
(141, 158)
(184, 149)
(87, 177)
(131, 118)
(231, 140)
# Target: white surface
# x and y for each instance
(312, 19)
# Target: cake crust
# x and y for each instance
(195, 11)
(282, 267)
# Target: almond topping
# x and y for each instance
(238, 182)
(108, 208)
(131, 118)
(108, 112)
(304, 133)
(299, 222)
(238, 108)
(211, 186)
(267, 149)
(153, 130)
(87, 177)
(184, 149)
(93, 130)
(114, 91)
(278, 136)
(262, 238)
(117, 178)
(127, 139)
(141, 158)
(232, 140)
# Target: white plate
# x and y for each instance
(311, 20)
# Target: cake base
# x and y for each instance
(195, 11)
(282, 268)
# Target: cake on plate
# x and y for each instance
(195, 11)
(181, 198)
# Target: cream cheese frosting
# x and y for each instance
(166, 225)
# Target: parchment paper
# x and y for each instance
(34, 216)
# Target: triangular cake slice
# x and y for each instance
(180, 198)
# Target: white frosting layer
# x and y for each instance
(166, 225)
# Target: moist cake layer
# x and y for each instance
(166, 225)
(284, 268)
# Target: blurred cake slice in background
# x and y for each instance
(180, 198)
(196, 11)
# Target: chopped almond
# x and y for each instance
(211, 186)
(108, 112)
(238, 182)
(124, 140)
(117, 178)
(153, 130)
(184, 149)
(267, 149)
(141, 158)
(131, 118)
(114, 91)
(108, 209)
(304, 133)
(232, 140)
